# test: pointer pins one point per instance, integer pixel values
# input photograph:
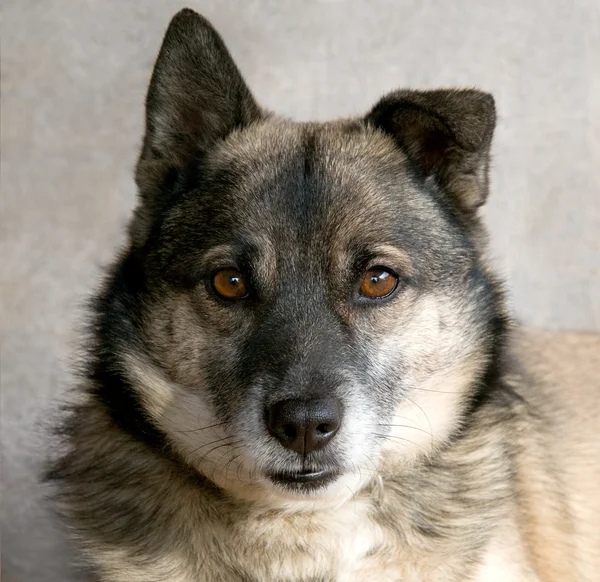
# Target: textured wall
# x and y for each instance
(73, 82)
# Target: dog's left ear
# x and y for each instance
(446, 134)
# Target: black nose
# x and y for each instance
(304, 425)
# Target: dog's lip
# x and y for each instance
(304, 476)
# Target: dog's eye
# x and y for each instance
(230, 284)
(378, 283)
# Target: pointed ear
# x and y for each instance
(446, 134)
(196, 96)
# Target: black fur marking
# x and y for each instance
(117, 311)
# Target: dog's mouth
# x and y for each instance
(304, 480)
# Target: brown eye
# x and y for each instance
(230, 284)
(378, 283)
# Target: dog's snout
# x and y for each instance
(304, 425)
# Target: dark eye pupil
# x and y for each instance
(380, 277)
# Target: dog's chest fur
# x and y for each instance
(389, 539)
(349, 544)
(360, 541)
(342, 544)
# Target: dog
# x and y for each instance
(301, 367)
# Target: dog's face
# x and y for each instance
(313, 310)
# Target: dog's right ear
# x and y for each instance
(196, 97)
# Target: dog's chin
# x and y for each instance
(293, 491)
(312, 490)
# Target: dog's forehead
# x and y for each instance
(303, 176)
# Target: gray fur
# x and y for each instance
(167, 476)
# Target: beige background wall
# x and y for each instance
(74, 74)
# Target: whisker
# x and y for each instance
(409, 426)
(200, 429)
(375, 470)
(213, 450)
(216, 464)
(352, 494)
(385, 437)
(424, 413)
(228, 464)
(437, 391)
(358, 469)
(208, 444)
(238, 476)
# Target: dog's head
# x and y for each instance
(306, 305)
